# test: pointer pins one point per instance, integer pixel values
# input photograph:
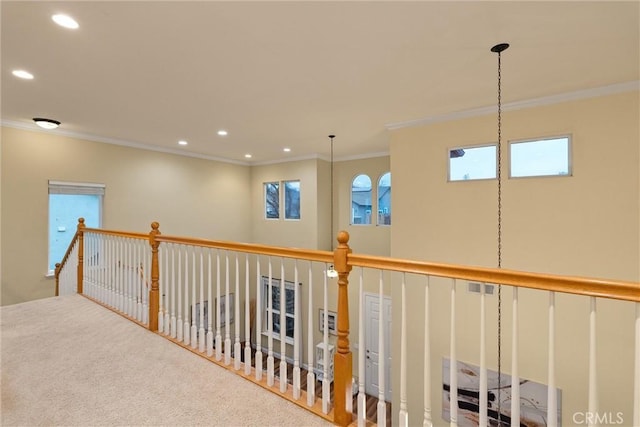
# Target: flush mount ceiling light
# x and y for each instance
(286, 150)
(222, 132)
(182, 142)
(248, 156)
(65, 21)
(46, 123)
(22, 74)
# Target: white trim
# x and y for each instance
(113, 141)
(76, 184)
(519, 105)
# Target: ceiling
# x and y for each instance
(287, 74)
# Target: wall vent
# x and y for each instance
(476, 287)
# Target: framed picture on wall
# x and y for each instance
(224, 299)
(332, 321)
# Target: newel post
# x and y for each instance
(154, 292)
(80, 254)
(343, 358)
(57, 276)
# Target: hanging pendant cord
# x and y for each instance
(331, 203)
(498, 49)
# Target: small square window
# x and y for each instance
(472, 163)
(292, 200)
(272, 200)
(544, 157)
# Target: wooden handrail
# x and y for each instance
(127, 234)
(602, 288)
(63, 262)
(306, 254)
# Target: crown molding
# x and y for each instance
(88, 137)
(519, 105)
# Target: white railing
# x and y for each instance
(478, 390)
(67, 271)
(270, 314)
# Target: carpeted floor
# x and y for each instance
(68, 361)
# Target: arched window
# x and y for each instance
(361, 200)
(384, 199)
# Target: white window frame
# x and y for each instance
(471, 147)
(275, 282)
(547, 138)
(284, 196)
(369, 211)
(264, 199)
(72, 188)
(378, 200)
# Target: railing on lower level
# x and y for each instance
(275, 316)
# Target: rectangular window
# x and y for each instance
(472, 163)
(543, 157)
(292, 199)
(276, 307)
(272, 200)
(69, 201)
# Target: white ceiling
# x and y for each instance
(287, 74)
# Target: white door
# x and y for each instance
(372, 343)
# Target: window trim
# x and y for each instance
(470, 147)
(541, 139)
(275, 282)
(382, 175)
(264, 200)
(72, 189)
(364, 224)
(284, 185)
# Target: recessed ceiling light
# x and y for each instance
(286, 149)
(23, 74)
(248, 156)
(65, 21)
(46, 123)
(182, 142)
(223, 132)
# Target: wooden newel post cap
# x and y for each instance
(343, 237)
(155, 226)
(81, 223)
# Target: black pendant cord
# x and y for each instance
(331, 202)
(498, 49)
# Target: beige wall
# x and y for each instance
(303, 233)
(586, 225)
(368, 239)
(187, 196)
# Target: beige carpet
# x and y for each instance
(68, 361)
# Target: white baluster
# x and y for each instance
(210, 313)
(174, 322)
(453, 364)
(362, 397)
(122, 275)
(258, 361)
(636, 375)
(311, 377)
(515, 375)
(483, 359)
(179, 325)
(296, 333)
(326, 404)
(270, 361)
(283, 330)
(247, 319)
(403, 416)
(218, 313)
(130, 274)
(201, 332)
(186, 326)
(382, 404)
(427, 421)
(237, 360)
(552, 412)
(166, 280)
(227, 325)
(194, 281)
(593, 382)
